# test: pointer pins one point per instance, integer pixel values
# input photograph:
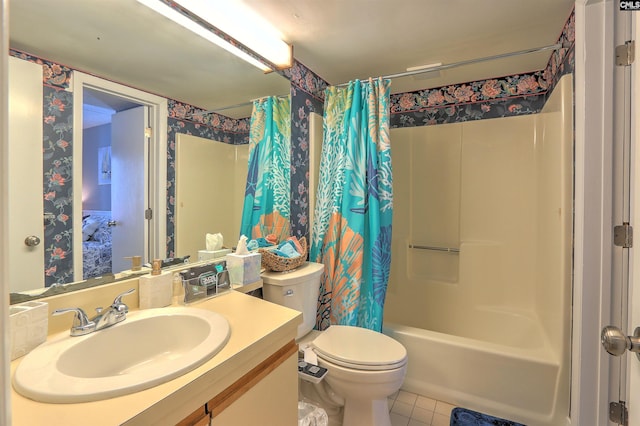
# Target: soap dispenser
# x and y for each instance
(156, 289)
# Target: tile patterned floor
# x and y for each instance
(409, 409)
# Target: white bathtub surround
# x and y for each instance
(499, 191)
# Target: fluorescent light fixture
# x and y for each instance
(235, 20)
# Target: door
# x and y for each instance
(624, 386)
(129, 183)
(25, 203)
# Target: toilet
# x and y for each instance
(364, 366)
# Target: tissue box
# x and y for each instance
(28, 327)
(244, 268)
(155, 291)
(212, 254)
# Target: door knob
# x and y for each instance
(31, 241)
(617, 343)
(111, 223)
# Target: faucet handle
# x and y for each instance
(81, 324)
(117, 302)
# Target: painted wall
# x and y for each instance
(94, 196)
(209, 192)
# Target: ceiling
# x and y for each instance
(99, 107)
(340, 40)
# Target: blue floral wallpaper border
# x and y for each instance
(303, 78)
(307, 96)
(492, 98)
(58, 185)
(53, 75)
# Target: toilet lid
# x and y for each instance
(307, 271)
(359, 348)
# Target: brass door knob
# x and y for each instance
(31, 241)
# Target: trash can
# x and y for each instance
(310, 415)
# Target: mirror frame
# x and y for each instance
(5, 376)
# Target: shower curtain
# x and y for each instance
(354, 207)
(267, 194)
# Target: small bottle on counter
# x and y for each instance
(178, 290)
(156, 289)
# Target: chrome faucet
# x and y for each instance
(104, 318)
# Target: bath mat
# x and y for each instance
(464, 417)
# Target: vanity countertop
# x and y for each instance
(258, 329)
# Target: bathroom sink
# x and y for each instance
(150, 347)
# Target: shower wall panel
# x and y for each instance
(497, 190)
(500, 190)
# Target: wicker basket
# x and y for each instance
(273, 262)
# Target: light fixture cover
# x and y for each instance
(237, 21)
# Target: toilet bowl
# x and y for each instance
(364, 366)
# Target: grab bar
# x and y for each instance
(445, 249)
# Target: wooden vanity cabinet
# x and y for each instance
(266, 395)
(200, 417)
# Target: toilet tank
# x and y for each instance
(297, 289)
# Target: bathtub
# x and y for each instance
(479, 289)
(511, 372)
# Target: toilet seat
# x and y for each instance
(359, 349)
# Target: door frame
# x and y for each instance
(633, 366)
(623, 210)
(157, 160)
(593, 231)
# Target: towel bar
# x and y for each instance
(445, 249)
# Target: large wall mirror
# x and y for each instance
(127, 45)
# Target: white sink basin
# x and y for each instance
(150, 347)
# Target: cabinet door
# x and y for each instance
(271, 401)
(200, 417)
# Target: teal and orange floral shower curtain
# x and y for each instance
(354, 207)
(268, 193)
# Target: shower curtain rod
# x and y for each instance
(473, 61)
(240, 104)
(435, 68)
